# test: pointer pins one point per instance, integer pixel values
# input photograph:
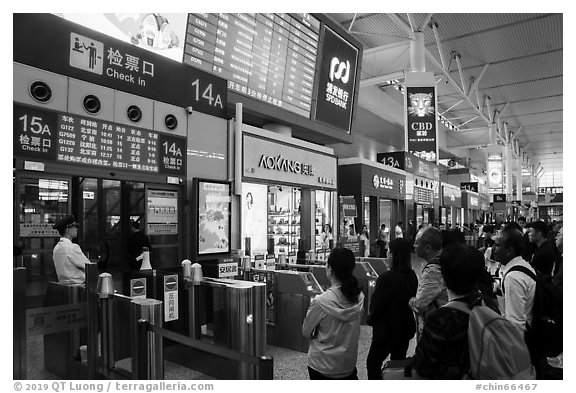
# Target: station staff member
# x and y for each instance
(69, 260)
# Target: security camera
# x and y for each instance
(189, 110)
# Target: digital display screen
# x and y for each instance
(269, 57)
(213, 217)
(70, 138)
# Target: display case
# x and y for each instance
(284, 227)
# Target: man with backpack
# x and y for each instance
(465, 338)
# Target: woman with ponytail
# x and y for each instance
(392, 320)
(333, 321)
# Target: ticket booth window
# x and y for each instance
(41, 202)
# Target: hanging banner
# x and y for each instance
(495, 170)
(421, 122)
(336, 82)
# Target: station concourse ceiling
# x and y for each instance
(499, 68)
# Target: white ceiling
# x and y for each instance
(515, 60)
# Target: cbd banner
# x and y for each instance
(421, 122)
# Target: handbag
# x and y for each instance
(399, 369)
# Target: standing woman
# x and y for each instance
(365, 237)
(333, 321)
(392, 320)
(326, 236)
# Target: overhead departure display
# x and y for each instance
(269, 57)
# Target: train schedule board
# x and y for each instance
(270, 57)
(72, 139)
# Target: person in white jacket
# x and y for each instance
(333, 321)
(69, 260)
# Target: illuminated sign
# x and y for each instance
(162, 212)
(79, 52)
(287, 164)
(269, 57)
(421, 122)
(495, 168)
(73, 139)
(213, 217)
(383, 182)
(336, 81)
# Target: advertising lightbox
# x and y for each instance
(213, 231)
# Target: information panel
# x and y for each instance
(269, 57)
(69, 138)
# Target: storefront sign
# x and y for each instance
(268, 160)
(337, 81)
(66, 48)
(162, 212)
(379, 182)
(421, 122)
(213, 217)
(469, 186)
(77, 140)
(170, 298)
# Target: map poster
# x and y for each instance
(213, 217)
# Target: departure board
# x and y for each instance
(74, 139)
(269, 57)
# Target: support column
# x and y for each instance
(508, 171)
(519, 178)
(417, 53)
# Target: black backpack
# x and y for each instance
(547, 321)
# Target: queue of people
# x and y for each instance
(500, 274)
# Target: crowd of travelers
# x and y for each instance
(487, 310)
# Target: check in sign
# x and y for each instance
(170, 298)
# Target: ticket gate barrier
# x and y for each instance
(366, 276)
(380, 265)
(229, 315)
(294, 292)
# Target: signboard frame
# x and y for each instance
(198, 182)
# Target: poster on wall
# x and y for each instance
(213, 217)
(421, 122)
(162, 212)
(255, 217)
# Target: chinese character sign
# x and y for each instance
(337, 81)
(421, 122)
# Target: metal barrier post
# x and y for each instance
(265, 369)
(106, 293)
(19, 323)
(147, 353)
(92, 318)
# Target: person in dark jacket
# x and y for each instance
(545, 254)
(443, 352)
(391, 318)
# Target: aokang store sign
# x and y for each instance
(278, 162)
